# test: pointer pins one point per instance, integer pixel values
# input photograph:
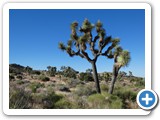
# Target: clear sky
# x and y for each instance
(34, 37)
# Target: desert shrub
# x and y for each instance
(51, 70)
(77, 102)
(45, 100)
(115, 102)
(37, 72)
(20, 82)
(68, 72)
(38, 98)
(84, 90)
(86, 76)
(117, 87)
(97, 101)
(72, 82)
(28, 69)
(63, 104)
(125, 93)
(11, 77)
(106, 76)
(80, 102)
(104, 101)
(62, 87)
(50, 84)
(104, 87)
(19, 77)
(140, 83)
(19, 99)
(33, 86)
(44, 78)
(50, 100)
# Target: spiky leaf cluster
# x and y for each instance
(118, 50)
(115, 42)
(99, 25)
(62, 46)
(124, 58)
(86, 26)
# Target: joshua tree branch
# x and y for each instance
(106, 41)
(86, 55)
(107, 51)
(90, 40)
(73, 53)
(92, 45)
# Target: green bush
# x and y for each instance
(106, 76)
(19, 99)
(104, 87)
(37, 72)
(44, 78)
(33, 86)
(20, 82)
(84, 90)
(72, 82)
(125, 93)
(68, 72)
(140, 83)
(86, 77)
(63, 104)
(104, 101)
(97, 101)
(47, 100)
(115, 102)
(50, 99)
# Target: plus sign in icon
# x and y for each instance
(147, 99)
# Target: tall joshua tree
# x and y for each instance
(121, 59)
(81, 41)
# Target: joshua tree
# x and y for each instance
(28, 69)
(83, 41)
(130, 74)
(51, 70)
(121, 59)
(122, 73)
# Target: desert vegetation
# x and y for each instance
(40, 90)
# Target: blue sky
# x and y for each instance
(34, 37)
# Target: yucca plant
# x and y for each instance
(121, 59)
(83, 41)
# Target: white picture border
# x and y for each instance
(8, 6)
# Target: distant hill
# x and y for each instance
(16, 68)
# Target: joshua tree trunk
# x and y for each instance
(95, 76)
(114, 77)
(112, 84)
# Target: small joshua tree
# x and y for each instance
(121, 59)
(51, 70)
(82, 41)
(130, 74)
(28, 69)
